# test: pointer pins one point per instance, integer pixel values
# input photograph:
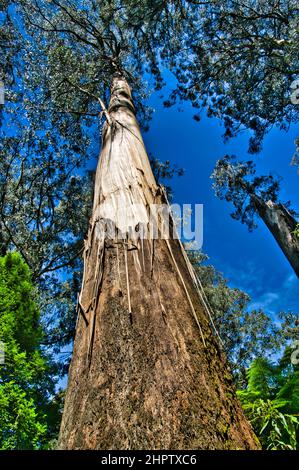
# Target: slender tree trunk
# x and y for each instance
(282, 225)
(147, 372)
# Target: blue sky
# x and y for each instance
(253, 261)
(250, 261)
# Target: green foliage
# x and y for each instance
(276, 430)
(271, 402)
(296, 232)
(26, 377)
(44, 210)
(22, 426)
(239, 62)
(237, 183)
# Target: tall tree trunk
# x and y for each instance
(282, 226)
(147, 372)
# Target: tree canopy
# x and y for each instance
(236, 60)
(237, 182)
(240, 63)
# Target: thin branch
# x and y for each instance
(102, 104)
(48, 269)
(79, 113)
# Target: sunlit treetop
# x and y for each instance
(237, 59)
(73, 49)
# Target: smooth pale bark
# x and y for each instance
(147, 371)
(282, 226)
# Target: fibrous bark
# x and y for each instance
(147, 370)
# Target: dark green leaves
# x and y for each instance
(27, 377)
(271, 401)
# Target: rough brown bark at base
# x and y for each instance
(150, 383)
(147, 372)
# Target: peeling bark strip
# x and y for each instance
(282, 226)
(147, 371)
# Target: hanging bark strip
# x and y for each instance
(194, 277)
(158, 380)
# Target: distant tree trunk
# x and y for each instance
(282, 225)
(147, 372)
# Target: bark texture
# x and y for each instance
(282, 225)
(147, 371)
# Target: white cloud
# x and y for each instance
(272, 297)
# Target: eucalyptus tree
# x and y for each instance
(29, 417)
(258, 195)
(147, 370)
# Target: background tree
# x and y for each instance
(246, 333)
(28, 418)
(257, 195)
(44, 208)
